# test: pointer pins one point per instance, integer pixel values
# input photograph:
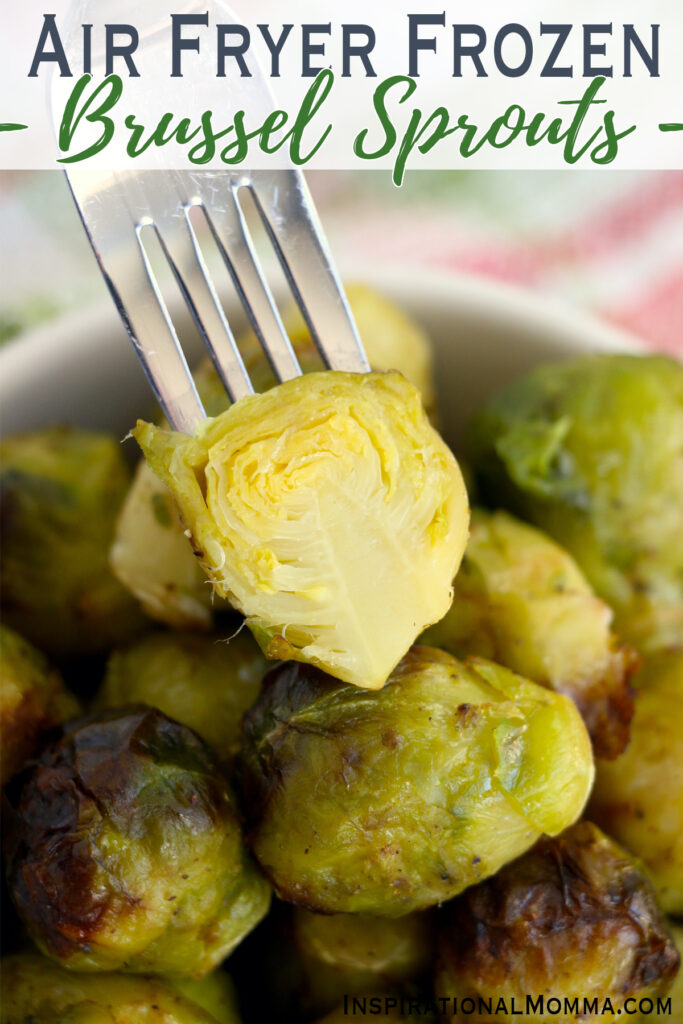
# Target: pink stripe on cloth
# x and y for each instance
(658, 316)
(629, 216)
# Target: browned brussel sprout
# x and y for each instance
(60, 494)
(37, 991)
(638, 798)
(521, 600)
(33, 699)
(388, 801)
(205, 682)
(124, 850)
(575, 918)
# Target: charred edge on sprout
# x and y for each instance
(90, 773)
(552, 892)
(607, 706)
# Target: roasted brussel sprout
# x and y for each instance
(124, 850)
(575, 918)
(391, 338)
(204, 682)
(383, 802)
(150, 554)
(638, 798)
(312, 961)
(338, 574)
(36, 991)
(350, 954)
(393, 948)
(60, 494)
(591, 451)
(522, 601)
(33, 699)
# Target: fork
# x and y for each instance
(115, 208)
(120, 208)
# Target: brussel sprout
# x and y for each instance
(36, 991)
(32, 700)
(60, 493)
(150, 555)
(352, 954)
(391, 338)
(383, 802)
(313, 961)
(214, 993)
(200, 681)
(347, 954)
(638, 798)
(590, 451)
(327, 510)
(395, 949)
(522, 601)
(574, 919)
(124, 850)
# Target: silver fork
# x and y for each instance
(119, 209)
(115, 208)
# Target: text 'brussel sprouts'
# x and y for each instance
(33, 699)
(575, 917)
(36, 991)
(638, 798)
(590, 451)
(389, 801)
(327, 510)
(60, 493)
(124, 850)
(522, 601)
(201, 681)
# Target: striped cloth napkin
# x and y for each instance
(611, 242)
(607, 241)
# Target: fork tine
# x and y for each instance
(103, 202)
(288, 212)
(156, 341)
(183, 252)
(131, 281)
(227, 223)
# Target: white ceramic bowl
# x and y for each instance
(82, 369)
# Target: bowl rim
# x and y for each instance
(94, 323)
